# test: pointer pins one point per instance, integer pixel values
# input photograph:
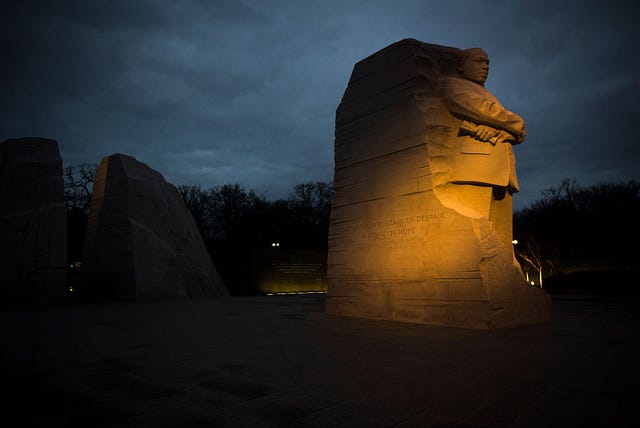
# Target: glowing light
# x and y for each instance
(290, 293)
(514, 242)
(533, 283)
(70, 289)
(275, 244)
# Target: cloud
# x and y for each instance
(215, 92)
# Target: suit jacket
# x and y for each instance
(473, 161)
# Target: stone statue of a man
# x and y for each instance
(483, 164)
(424, 173)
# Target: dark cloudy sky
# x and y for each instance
(245, 91)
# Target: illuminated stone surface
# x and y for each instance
(418, 232)
(290, 270)
(33, 222)
(141, 240)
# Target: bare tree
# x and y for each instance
(311, 202)
(537, 254)
(573, 226)
(197, 202)
(78, 183)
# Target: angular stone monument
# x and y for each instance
(141, 241)
(33, 221)
(424, 172)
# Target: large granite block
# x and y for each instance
(410, 240)
(33, 222)
(141, 241)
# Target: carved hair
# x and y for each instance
(465, 54)
(468, 52)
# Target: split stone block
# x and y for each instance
(33, 222)
(142, 242)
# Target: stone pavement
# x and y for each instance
(280, 361)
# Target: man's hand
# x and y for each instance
(503, 137)
(486, 133)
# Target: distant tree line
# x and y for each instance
(233, 221)
(569, 228)
(589, 229)
(238, 226)
(229, 216)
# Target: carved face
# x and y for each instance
(475, 66)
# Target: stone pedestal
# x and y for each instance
(405, 241)
(141, 241)
(33, 222)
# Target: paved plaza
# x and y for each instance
(280, 361)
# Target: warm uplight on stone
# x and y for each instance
(141, 240)
(421, 221)
(290, 271)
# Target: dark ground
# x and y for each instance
(281, 361)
